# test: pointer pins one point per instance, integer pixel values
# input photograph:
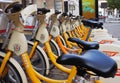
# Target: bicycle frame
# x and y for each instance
(20, 48)
(18, 45)
(77, 29)
(48, 49)
(42, 31)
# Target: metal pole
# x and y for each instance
(96, 8)
(104, 14)
(80, 7)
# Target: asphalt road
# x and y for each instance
(113, 28)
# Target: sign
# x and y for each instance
(104, 5)
(58, 5)
(89, 8)
(72, 7)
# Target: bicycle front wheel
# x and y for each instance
(63, 41)
(56, 50)
(15, 73)
(40, 60)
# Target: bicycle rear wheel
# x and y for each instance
(15, 72)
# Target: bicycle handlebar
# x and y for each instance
(64, 14)
(42, 10)
(13, 8)
(57, 12)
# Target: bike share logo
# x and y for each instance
(17, 47)
(42, 36)
(54, 29)
(67, 27)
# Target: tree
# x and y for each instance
(112, 4)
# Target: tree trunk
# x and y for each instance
(119, 13)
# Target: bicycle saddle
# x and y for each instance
(92, 24)
(91, 60)
(13, 8)
(84, 44)
(42, 10)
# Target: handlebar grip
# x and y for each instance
(71, 15)
(13, 8)
(43, 10)
(64, 14)
(57, 12)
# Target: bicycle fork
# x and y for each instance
(26, 63)
(29, 68)
(3, 68)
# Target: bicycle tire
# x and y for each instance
(55, 50)
(40, 62)
(14, 68)
(63, 41)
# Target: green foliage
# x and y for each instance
(112, 4)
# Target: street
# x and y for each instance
(113, 28)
